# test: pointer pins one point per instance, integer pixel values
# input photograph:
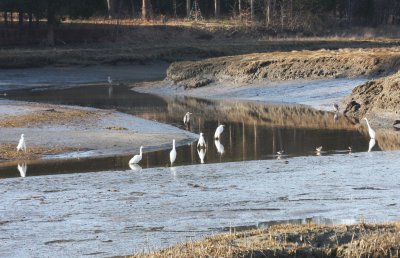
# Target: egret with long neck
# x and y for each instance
(137, 158)
(370, 130)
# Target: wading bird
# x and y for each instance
(201, 142)
(137, 158)
(109, 80)
(218, 131)
(318, 150)
(370, 130)
(371, 144)
(186, 118)
(172, 154)
(21, 144)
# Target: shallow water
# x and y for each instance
(253, 131)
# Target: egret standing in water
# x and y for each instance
(370, 130)
(218, 132)
(109, 80)
(172, 154)
(137, 158)
(21, 144)
(201, 142)
(186, 118)
(371, 144)
(318, 150)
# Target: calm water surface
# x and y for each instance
(253, 130)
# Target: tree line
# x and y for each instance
(283, 14)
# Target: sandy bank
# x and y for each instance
(51, 129)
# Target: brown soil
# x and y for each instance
(8, 152)
(377, 99)
(343, 63)
(359, 240)
(50, 116)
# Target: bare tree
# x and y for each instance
(145, 5)
(188, 8)
(267, 12)
(108, 9)
(216, 8)
(252, 9)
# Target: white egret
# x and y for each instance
(109, 80)
(135, 167)
(318, 150)
(137, 158)
(280, 152)
(219, 146)
(201, 142)
(186, 118)
(22, 169)
(218, 131)
(370, 130)
(21, 144)
(350, 149)
(202, 155)
(172, 154)
(371, 144)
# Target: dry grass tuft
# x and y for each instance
(48, 116)
(360, 240)
(8, 151)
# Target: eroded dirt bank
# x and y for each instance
(343, 63)
(379, 100)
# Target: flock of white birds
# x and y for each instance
(201, 143)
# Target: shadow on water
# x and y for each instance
(253, 130)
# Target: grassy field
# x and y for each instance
(360, 240)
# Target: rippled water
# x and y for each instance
(253, 130)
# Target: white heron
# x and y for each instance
(186, 118)
(202, 155)
(318, 150)
(21, 144)
(22, 169)
(172, 154)
(370, 130)
(201, 142)
(220, 147)
(218, 131)
(109, 80)
(137, 158)
(350, 149)
(371, 144)
(280, 152)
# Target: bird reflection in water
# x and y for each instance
(220, 147)
(202, 154)
(135, 167)
(22, 169)
(371, 144)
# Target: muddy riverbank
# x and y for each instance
(124, 212)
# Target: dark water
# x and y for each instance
(253, 130)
